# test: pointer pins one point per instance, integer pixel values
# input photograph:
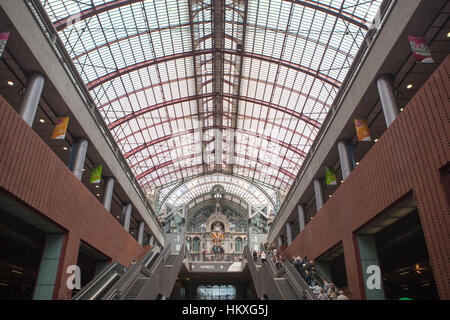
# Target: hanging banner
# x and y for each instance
(330, 176)
(362, 130)
(420, 49)
(60, 128)
(96, 174)
(3, 39)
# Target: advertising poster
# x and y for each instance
(60, 128)
(362, 130)
(330, 176)
(96, 174)
(420, 49)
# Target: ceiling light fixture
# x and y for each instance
(409, 86)
(41, 120)
(65, 148)
(10, 83)
(98, 194)
(401, 109)
(376, 140)
(448, 34)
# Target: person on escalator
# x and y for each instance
(255, 256)
(263, 256)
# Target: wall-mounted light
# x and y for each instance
(376, 140)
(409, 86)
(65, 148)
(401, 109)
(10, 83)
(448, 34)
(97, 186)
(41, 120)
(98, 194)
(357, 163)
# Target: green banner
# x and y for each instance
(330, 176)
(96, 174)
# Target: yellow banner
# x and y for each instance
(362, 130)
(60, 128)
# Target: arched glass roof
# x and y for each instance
(202, 87)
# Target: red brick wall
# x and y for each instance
(30, 171)
(407, 158)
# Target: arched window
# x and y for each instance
(196, 245)
(188, 243)
(238, 245)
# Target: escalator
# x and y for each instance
(151, 277)
(277, 284)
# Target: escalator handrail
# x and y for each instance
(300, 284)
(80, 294)
(104, 286)
(129, 276)
(322, 277)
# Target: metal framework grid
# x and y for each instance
(197, 90)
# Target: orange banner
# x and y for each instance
(362, 130)
(60, 128)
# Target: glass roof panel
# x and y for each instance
(224, 88)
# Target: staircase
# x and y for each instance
(286, 290)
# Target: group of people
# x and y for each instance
(321, 287)
(273, 253)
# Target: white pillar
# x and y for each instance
(30, 100)
(301, 216)
(318, 192)
(288, 233)
(141, 233)
(108, 193)
(126, 216)
(346, 157)
(387, 97)
(77, 157)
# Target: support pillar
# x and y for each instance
(289, 233)
(346, 157)
(108, 193)
(126, 216)
(77, 157)
(387, 97)
(141, 233)
(280, 241)
(370, 266)
(30, 100)
(48, 270)
(318, 192)
(301, 217)
(151, 242)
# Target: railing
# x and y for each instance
(131, 275)
(95, 286)
(226, 257)
(319, 274)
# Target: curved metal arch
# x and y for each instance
(189, 156)
(193, 144)
(212, 193)
(165, 138)
(108, 44)
(228, 202)
(308, 97)
(96, 10)
(306, 70)
(142, 111)
(223, 173)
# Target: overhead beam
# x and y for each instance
(306, 70)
